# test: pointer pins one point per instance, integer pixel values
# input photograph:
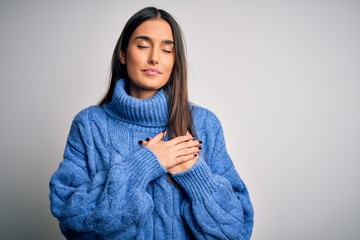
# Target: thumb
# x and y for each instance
(160, 136)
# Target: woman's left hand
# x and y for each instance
(182, 167)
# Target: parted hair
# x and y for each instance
(176, 89)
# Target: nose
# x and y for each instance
(154, 57)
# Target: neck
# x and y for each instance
(151, 111)
(141, 93)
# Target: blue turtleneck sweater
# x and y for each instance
(109, 187)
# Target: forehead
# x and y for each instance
(155, 28)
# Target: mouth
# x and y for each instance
(151, 71)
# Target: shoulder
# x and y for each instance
(87, 122)
(204, 118)
(92, 113)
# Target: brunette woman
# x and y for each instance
(146, 163)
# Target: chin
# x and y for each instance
(152, 87)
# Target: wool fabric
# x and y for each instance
(109, 187)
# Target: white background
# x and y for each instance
(282, 76)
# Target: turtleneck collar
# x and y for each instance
(152, 112)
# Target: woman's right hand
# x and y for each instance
(175, 151)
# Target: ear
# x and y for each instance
(122, 58)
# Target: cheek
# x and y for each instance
(170, 64)
(131, 63)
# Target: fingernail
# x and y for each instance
(195, 155)
(199, 148)
(140, 142)
(200, 141)
(148, 139)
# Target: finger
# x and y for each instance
(188, 151)
(143, 142)
(182, 139)
(186, 158)
(160, 136)
(189, 144)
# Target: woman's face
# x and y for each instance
(149, 58)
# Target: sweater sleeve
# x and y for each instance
(218, 204)
(109, 203)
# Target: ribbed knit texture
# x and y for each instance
(109, 187)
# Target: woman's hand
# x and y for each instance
(182, 167)
(176, 155)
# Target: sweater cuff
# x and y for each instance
(143, 167)
(197, 182)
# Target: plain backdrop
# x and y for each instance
(282, 76)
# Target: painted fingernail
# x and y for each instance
(199, 148)
(140, 142)
(147, 139)
(200, 141)
(195, 155)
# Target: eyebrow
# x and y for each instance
(146, 38)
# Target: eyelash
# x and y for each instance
(144, 47)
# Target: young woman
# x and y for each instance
(145, 163)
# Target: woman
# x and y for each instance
(145, 163)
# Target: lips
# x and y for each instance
(151, 71)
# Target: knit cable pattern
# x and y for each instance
(109, 187)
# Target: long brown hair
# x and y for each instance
(176, 90)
